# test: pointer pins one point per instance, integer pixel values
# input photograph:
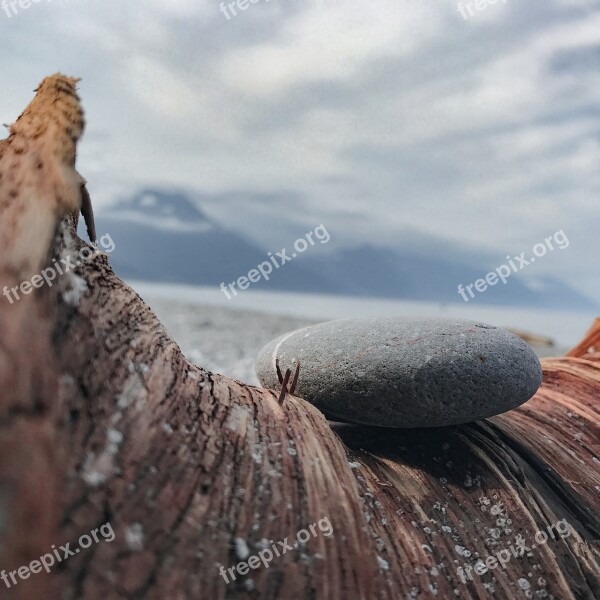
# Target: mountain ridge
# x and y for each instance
(164, 236)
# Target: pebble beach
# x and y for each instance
(219, 339)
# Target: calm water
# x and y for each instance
(566, 328)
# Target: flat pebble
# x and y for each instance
(405, 372)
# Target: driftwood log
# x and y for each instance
(103, 420)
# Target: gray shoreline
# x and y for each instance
(226, 340)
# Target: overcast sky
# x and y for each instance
(373, 117)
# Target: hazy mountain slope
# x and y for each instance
(369, 270)
(162, 236)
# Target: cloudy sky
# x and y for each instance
(379, 119)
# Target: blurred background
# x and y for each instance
(432, 140)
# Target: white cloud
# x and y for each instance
(331, 41)
(383, 115)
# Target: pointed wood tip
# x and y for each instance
(55, 114)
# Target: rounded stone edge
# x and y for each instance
(272, 381)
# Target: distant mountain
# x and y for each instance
(165, 237)
(173, 212)
(376, 271)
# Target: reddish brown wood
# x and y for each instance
(103, 420)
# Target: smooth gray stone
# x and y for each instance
(405, 372)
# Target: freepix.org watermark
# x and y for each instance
(515, 264)
(12, 7)
(563, 529)
(229, 9)
(470, 9)
(264, 269)
(47, 276)
(47, 561)
(269, 550)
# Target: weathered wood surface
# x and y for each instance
(103, 420)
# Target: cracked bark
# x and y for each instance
(103, 420)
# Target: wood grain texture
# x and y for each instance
(102, 419)
(38, 180)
